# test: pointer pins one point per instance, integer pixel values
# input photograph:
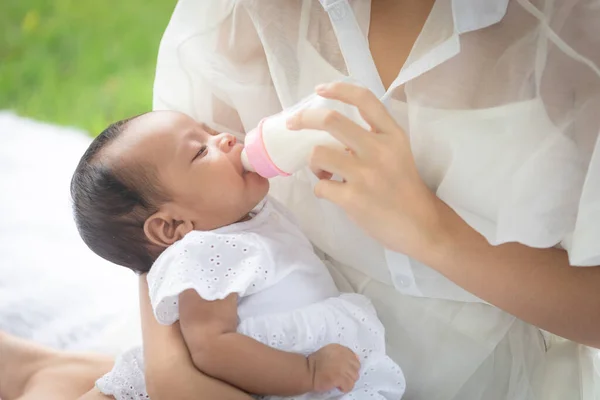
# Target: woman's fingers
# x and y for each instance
(332, 161)
(334, 191)
(319, 173)
(342, 128)
(372, 110)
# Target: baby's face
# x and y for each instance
(202, 174)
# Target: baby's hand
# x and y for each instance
(334, 366)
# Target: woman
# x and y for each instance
(469, 217)
(499, 103)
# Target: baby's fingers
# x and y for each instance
(346, 384)
(355, 363)
(352, 374)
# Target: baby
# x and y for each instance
(164, 195)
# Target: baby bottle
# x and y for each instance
(271, 149)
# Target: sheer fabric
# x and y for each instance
(501, 104)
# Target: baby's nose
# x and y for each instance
(226, 141)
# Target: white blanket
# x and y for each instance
(53, 289)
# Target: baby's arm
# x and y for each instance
(209, 330)
(170, 372)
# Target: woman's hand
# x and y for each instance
(382, 190)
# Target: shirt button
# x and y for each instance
(403, 281)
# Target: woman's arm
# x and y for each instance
(209, 329)
(170, 373)
(536, 285)
(384, 194)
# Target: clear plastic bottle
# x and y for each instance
(271, 149)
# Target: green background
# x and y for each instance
(79, 63)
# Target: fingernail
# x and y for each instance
(322, 88)
(292, 121)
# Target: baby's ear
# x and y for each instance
(163, 230)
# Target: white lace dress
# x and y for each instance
(288, 301)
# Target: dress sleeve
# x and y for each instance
(551, 196)
(571, 90)
(214, 265)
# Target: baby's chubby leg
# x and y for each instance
(29, 371)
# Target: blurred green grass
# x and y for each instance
(79, 63)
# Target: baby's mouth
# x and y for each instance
(238, 159)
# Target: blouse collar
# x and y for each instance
(471, 15)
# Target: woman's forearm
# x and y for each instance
(170, 372)
(184, 382)
(536, 285)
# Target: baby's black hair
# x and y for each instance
(112, 203)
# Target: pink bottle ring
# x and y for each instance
(258, 156)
